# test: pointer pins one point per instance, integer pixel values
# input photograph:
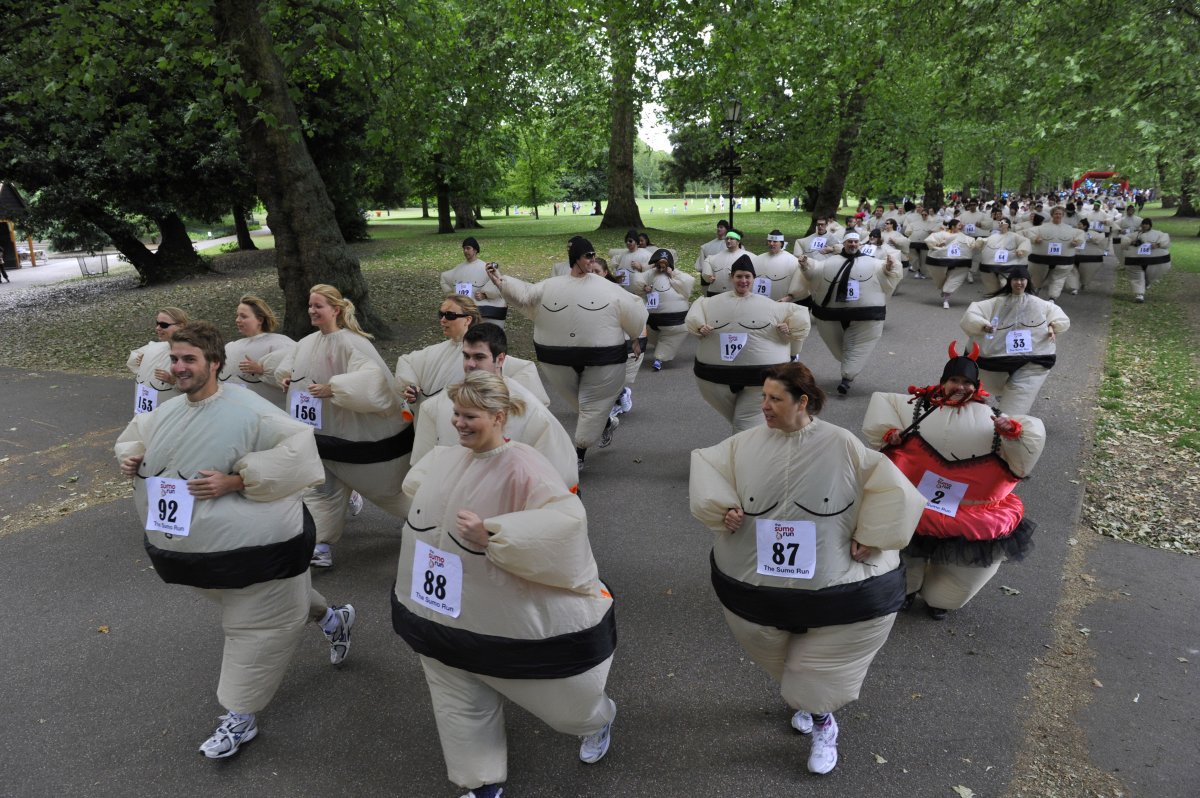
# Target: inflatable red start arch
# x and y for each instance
(1100, 176)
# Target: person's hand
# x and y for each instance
(783, 328)
(214, 484)
(989, 329)
(637, 347)
(493, 273)
(1050, 332)
(647, 288)
(470, 526)
(704, 330)
(734, 518)
(410, 393)
(893, 437)
(248, 366)
(287, 383)
(861, 553)
(138, 359)
(162, 375)
(129, 466)
(321, 390)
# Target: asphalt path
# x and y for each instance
(110, 675)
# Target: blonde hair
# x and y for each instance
(346, 317)
(465, 305)
(259, 307)
(178, 315)
(485, 391)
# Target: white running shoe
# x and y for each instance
(946, 304)
(595, 746)
(356, 503)
(229, 736)
(322, 558)
(626, 400)
(823, 756)
(802, 722)
(607, 435)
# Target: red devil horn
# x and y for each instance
(974, 351)
(953, 349)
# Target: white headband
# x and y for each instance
(778, 238)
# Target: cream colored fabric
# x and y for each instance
(262, 625)
(469, 710)
(805, 246)
(524, 372)
(1049, 281)
(258, 348)
(715, 273)
(577, 311)
(674, 296)
(430, 369)
(626, 266)
(482, 291)
(857, 495)
(144, 360)
(779, 269)
(536, 427)
(852, 345)
(364, 407)
(1141, 278)
(707, 250)
(821, 670)
(590, 393)
(766, 345)
(234, 432)
(946, 586)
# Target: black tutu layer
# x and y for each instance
(974, 553)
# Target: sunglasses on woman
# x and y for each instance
(162, 325)
(450, 315)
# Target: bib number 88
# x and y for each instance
(434, 587)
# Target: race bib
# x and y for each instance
(786, 548)
(868, 249)
(1018, 342)
(1081, 246)
(941, 495)
(852, 291)
(953, 251)
(168, 506)
(969, 228)
(145, 399)
(1054, 248)
(436, 579)
(732, 344)
(1098, 226)
(1144, 249)
(465, 289)
(306, 408)
(817, 244)
(652, 300)
(624, 275)
(762, 286)
(1002, 256)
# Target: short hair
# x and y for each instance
(909, 206)
(485, 391)
(798, 381)
(491, 334)
(1148, 222)
(723, 223)
(892, 222)
(205, 337)
(178, 315)
(261, 310)
(465, 305)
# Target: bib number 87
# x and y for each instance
(167, 510)
(434, 587)
(779, 557)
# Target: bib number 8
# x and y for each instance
(779, 558)
(434, 587)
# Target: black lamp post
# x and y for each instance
(733, 115)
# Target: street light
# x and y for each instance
(733, 115)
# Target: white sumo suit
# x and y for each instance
(265, 348)
(150, 391)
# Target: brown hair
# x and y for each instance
(261, 310)
(798, 381)
(178, 315)
(205, 337)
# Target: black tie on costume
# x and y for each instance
(842, 281)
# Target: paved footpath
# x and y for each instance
(109, 675)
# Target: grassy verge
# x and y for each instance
(1146, 484)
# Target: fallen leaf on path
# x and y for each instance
(879, 760)
(1096, 683)
(963, 792)
(1010, 591)
(102, 629)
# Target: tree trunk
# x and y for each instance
(243, 230)
(830, 193)
(445, 225)
(464, 214)
(935, 192)
(309, 247)
(622, 208)
(175, 259)
(757, 204)
(596, 211)
(1031, 167)
(1187, 183)
(424, 207)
